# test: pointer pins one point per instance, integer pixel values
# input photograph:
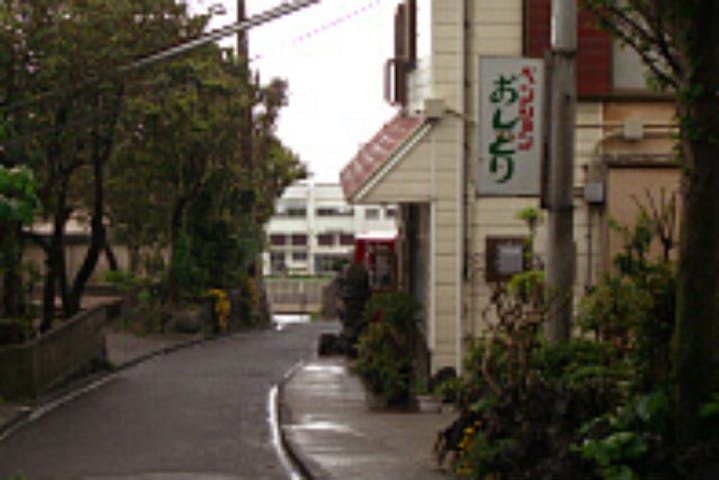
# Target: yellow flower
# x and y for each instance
(221, 308)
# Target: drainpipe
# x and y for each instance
(461, 182)
(431, 321)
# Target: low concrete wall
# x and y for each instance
(34, 367)
(295, 295)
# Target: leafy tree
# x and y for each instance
(185, 124)
(136, 147)
(18, 203)
(277, 167)
(63, 92)
(182, 136)
(679, 42)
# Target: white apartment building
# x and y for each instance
(314, 228)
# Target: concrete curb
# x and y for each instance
(309, 469)
(57, 398)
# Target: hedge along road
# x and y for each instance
(199, 413)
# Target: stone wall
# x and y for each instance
(34, 367)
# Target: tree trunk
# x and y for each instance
(100, 153)
(134, 253)
(97, 235)
(12, 281)
(173, 289)
(48, 292)
(55, 275)
(697, 316)
(176, 225)
(696, 296)
(110, 256)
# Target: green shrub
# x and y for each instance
(386, 348)
(15, 330)
(593, 409)
(522, 408)
(124, 280)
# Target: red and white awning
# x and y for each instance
(377, 157)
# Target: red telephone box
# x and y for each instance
(377, 252)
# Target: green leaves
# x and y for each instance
(18, 201)
(386, 347)
(710, 409)
(629, 438)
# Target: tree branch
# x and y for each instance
(619, 21)
(661, 34)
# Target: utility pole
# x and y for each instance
(246, 153)
(242, 49)
(254, 269)
(561, 250)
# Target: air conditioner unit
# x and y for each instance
(633, 129)
(594, 193)
(433, 108)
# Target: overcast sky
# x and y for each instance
(332, 54)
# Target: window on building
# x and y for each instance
(278, 239)
(325, 239)
(341, 211)
(405, 53)
(347, 239)
(327, 263)
(296, 212)
(299, 239)
(390, 212)
(299, 256)
(371, 214)
(277, 263)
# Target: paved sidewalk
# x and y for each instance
(332, 435)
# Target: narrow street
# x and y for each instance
(199, 413)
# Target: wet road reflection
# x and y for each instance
(283, 320)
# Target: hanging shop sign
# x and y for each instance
(511, 93)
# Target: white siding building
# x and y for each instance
(426, 158)
(314, 228)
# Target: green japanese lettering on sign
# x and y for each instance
(498, 124)
(504, 89)
(502, 149)
(509, 170)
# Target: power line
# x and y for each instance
(207, 38)
(212, 36)
(308, 35)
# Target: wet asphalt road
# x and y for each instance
(200, 413)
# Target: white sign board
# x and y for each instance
(511, 94)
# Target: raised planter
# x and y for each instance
(428, 404)
(32, 368)
(375, 401)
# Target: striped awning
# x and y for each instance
(378, 152)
